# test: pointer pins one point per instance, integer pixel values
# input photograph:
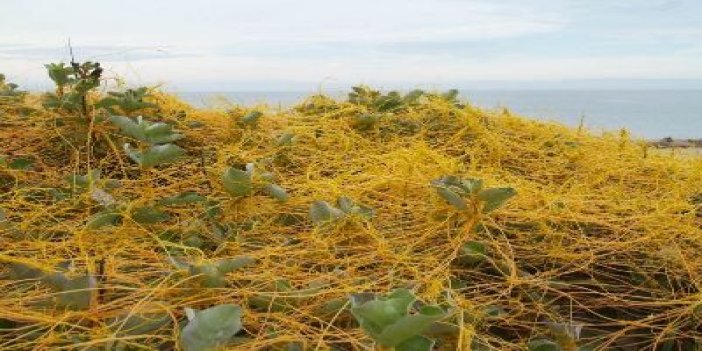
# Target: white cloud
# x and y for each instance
(218, 42)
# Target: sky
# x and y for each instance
(210, 45)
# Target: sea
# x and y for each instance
(649, 114)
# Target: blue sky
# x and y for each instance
(288, 45)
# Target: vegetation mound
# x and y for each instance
(130, 220)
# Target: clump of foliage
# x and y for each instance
(126, 103)
(73, 83)
(392, 321)
(250, 119)
(9, 91)
(75, 292)
(212, 274)
(210, 329)
(375, 101)
(322, 212)
(246, 182)
(465, 194)
(156, 139)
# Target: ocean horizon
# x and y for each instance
(650, 114)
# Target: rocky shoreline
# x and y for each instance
(676, 143)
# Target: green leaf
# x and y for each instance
(83, 181)
(376, 315)
(413, 96)
(251, 118)
(471, 185)
(129, 127)
(365, 121)
(285, 139)
(75, 293)
(156, 155)
(322, 212)
(23, 271)
(332, 307)
(209, 275)
(450, 95)
(149, 215)
(276, 192)
(21, 164)
(185, 198)
(472, 253)
(452, 198)
(60, 73)
(409, 326)
(348, 206)
(212, 275)
(232, 264)
(416, 343)
(238, 182)
(129, 101)
(495, 197)
(102, 219)
(140, 324)
(543, 345)
(150, 132)
(210, 329)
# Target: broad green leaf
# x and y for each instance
(471, 185)
(543, 345)
(281, 298)
(21, 164)
(322, 212)
(345, 204)
(237, 182)
(74, 293)
(472, 253)
(413, 96)
(156, 155)
(285, 139)
(409, 326)
(102, 219)
(493, 198)
(232, 264)
(365, 121)
(276, 192)
(452, 198)
(129, 101)
(83, 181)
(161, 133)
(376, 315)
(150, 132)
(60, 73)
(251, 118)
(149, 215)
(182, 199)
(332, 307)
(210, 276)
(450, 95)
(213, 208)
(210, 329)
(348, 206)
(194, 241)
(23, 271)
(129, 127)
(140, 324)
(416, 343)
